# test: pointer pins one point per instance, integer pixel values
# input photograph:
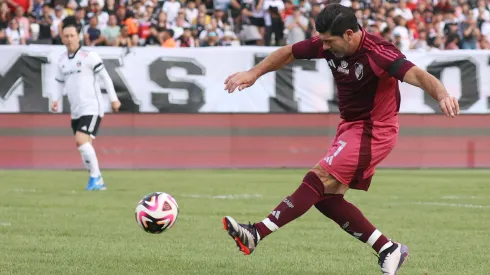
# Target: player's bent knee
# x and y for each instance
(333, 186)
(330, 183)
(313, 181)
(81, 138)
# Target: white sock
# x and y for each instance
(374, 237)
(89, 158)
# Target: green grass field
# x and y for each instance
(50, 225)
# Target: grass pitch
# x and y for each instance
(50, 225)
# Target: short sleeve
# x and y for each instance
(96, 62)
(385, 58)
(308, 49)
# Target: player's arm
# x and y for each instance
(390, 61)
(103, 75)
(274, 61)
(431, 85)
(306, 49)
(58, 93)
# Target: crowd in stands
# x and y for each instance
(409, 24)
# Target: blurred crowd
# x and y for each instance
(410, 24)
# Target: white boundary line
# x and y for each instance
(223, 197)
(461, 205)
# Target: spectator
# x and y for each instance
(22, 21)
(481, 11)
(470, 33)
(434, 44)
(102, 16)
(464, 15)
(212, 27)
(180, 25)
(401, 34)
(452, 41)
(5, 15)
(71, 7)
(420, 43)
(171, 8)
(93, 35)
(403, 11)
(420, 24)
(167, 39)
(297, 25)
(124, 40)
(15, 35)
(273, 20)
(253, 22)
(276, 27)
(56, 24)
(185, 40)
(315, 10)
(110, 7)
(153, 39)
(229, 39)
(221, 18)
(45, 35)
(121, 14)
(144, 24)
(304, 7)
(191, 12)
(112, 31)
(80, 19)
(132, 23)
(212, 40)
(162, 20)
(37, 9)
(202, 11)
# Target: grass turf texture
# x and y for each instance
(50, 225)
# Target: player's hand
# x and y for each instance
(240, 80)
(54, 106)
(115, 106)
(449, 106)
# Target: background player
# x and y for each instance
(78, 76)
(366, 69)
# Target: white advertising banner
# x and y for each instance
(192, 80)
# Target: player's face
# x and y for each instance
(71, 39)
(338, 45)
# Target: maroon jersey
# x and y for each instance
(367, 81)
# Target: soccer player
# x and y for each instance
(366, 69)
(78, 75)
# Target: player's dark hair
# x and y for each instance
(70, 21)
(336, 19)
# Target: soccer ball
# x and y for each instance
(157, 212)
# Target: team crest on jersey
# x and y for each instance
(359, 70)
(343, 67)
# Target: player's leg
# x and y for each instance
(363, 150)
(85, 129)
(351, 220)
(309, 192)
(347, 215)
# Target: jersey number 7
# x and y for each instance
(329, 159)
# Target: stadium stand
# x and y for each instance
(422, 25)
